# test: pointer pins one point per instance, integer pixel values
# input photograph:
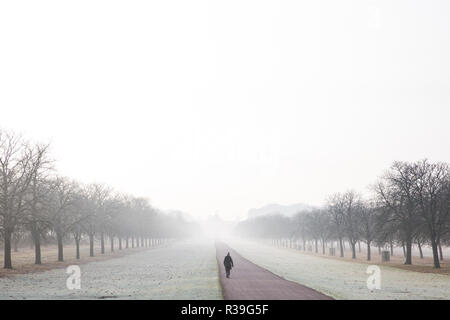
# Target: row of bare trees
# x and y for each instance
(34, 200)
(410, 204)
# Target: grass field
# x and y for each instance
(424, 265)
(179, 270)
(344, 278)
(188, 270)
(23, 259)
(419, 265)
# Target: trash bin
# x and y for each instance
(385, 256)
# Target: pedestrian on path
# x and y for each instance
(228, 263)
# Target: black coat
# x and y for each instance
(228, 262)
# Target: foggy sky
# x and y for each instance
(221, 106)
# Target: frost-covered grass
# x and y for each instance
(182, 270)
(341, 279)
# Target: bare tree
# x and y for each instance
(18, 164)
(369, 214)
(61, 209)
(97, 195)
(35, 217)
(336, 208)
(112, 213)
(411, 204)
(395, 195)
(325, 227)
(431, 193)
(82, 206)
(312, 222)
(351, 215)
(301, 229)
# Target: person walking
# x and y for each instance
(228, 263)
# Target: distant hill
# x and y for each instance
(274, 208)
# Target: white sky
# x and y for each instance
(208, 106)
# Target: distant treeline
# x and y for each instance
(410, 204)
(37, 203)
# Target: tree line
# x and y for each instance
(35, 200)
(409, 204)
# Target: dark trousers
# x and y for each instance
(227, 270)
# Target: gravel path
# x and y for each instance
(342, 279)
(182, 270)
(251, 282)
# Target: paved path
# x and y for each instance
(251, 282)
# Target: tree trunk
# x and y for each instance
(315, 245)
(420, 249)
(304, 245)
(403, 247)
(60, 247)
(102, 242)
(120, 243)
(91, 245)
(441, 255)
(359, 246)
(37, 245)
(368, 251)
(112, 243)
(77, 245)
(392, 248)
(126, 243)
(434, 246)
(341, 246)
(408, 252)
(132, 242)
(323, 246)
(353, 245)
(7, 249)
(37, 250)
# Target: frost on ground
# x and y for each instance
(182, 270)
(343, 280)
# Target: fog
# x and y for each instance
(206, 108)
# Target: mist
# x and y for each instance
(204, 108)
(224, 150)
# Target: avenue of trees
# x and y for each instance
(410, 204)
(38, 204)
